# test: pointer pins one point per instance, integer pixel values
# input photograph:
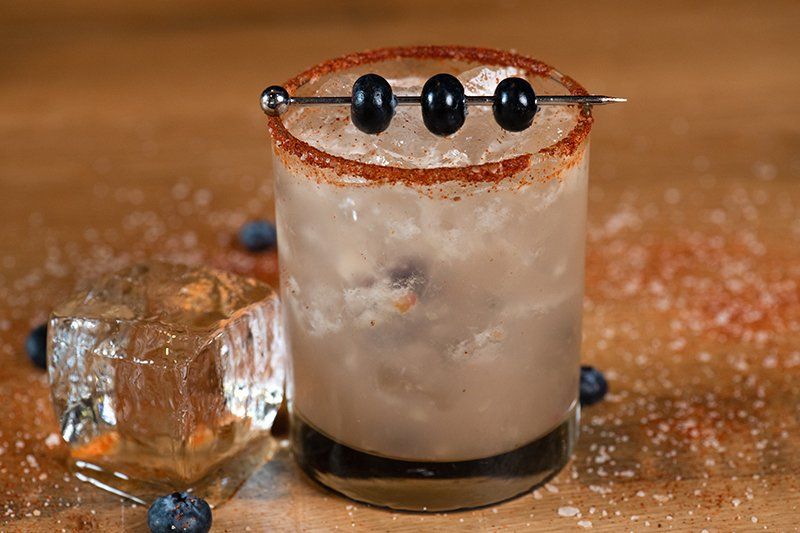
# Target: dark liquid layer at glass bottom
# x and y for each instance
(431, 486)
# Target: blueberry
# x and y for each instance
(593, 385)
(258, 236)
(36, 345)
(372, 104)
(514, 104)
(444, 105)
(179, 511)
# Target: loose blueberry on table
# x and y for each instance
(258, 236)
(593, 385)
(36, 345)
(179, 511)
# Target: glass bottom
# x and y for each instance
(432, 486)
(135, 481)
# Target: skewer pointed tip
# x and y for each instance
(603, 100)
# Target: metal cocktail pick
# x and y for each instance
(443, 102)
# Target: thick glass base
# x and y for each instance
(432, 486)
(136, 479)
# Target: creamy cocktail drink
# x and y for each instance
(432, 286)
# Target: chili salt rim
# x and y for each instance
(485, 172)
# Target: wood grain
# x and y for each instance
(132, 130)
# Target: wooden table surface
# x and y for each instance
(132, 131)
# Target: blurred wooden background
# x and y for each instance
(130, 130)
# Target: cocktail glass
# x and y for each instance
(432, 288)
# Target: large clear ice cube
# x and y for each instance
(167, 377)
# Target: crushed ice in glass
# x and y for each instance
(407, 142)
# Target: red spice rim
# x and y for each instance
(485, 172)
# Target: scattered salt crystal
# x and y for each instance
(599, 489)
(202, 197)
(568, 511)
(679, 125)
(672, 196)
(551, 488)
(32, 461)
(736, 502)
(678, 344)
(586, 524)
(765, 171)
